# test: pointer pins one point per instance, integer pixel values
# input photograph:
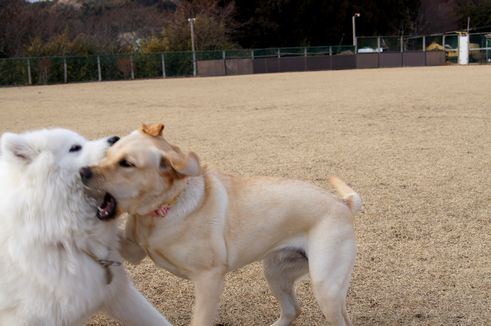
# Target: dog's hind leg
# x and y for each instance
(282, 268)
(130, 308)
(332, 251)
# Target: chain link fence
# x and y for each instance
(56, 70)
(479, 45)
(69, 69)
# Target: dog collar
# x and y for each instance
(160, 212)
(164, 208)
(105, 263)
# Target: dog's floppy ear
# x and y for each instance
(154, 130)
(16, 147)
(188, 164)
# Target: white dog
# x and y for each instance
(59, 263)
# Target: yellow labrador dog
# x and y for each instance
(200, 224)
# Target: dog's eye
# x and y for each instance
(75, 148)
(126, 164)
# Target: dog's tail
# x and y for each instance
(350, 197)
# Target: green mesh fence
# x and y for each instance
(480, 48)
(265, 53)
(451, 46)
(239, 54)
(116, 67)
(14, 72)
(343, 50)
(304, 51)
(478, 40)
(390, 43)
(148, 66)
(179, 64)
(292, 52)
(367, 44)
(434, 43)
(209, 55)
(319, 50)
(56, 70)
(451, 42)
(47, 70)
(81, 69)
(245, 53)
(413, 44)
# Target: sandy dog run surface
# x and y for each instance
(415, 143)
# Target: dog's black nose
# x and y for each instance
(86, 173)
(113, 140)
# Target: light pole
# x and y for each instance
(191, 25)
(354, 29)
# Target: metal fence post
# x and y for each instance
(378, 44)
(279, 52)
(163, 64)
(402, 43)
(99, 74)
(65, 71)
(252, 54)
(131, 66)
(330, 50)
(424, 50)
(193, 47)
(443, 45)
(224, 55)
(29, 78)
(305, 59)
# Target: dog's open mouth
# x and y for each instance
(107, 210)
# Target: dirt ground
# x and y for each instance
(414, 142)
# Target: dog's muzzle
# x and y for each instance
(107, 209)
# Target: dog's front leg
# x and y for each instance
(208, 287)
(130, 308)
(129, 248)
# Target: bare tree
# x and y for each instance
(214, 25)
(437, 16)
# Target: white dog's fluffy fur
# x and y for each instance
(47, 222)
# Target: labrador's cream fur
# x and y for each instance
(217, 223)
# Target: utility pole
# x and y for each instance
(354, 29)
(191, 25)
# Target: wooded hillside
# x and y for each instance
(65, 27)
